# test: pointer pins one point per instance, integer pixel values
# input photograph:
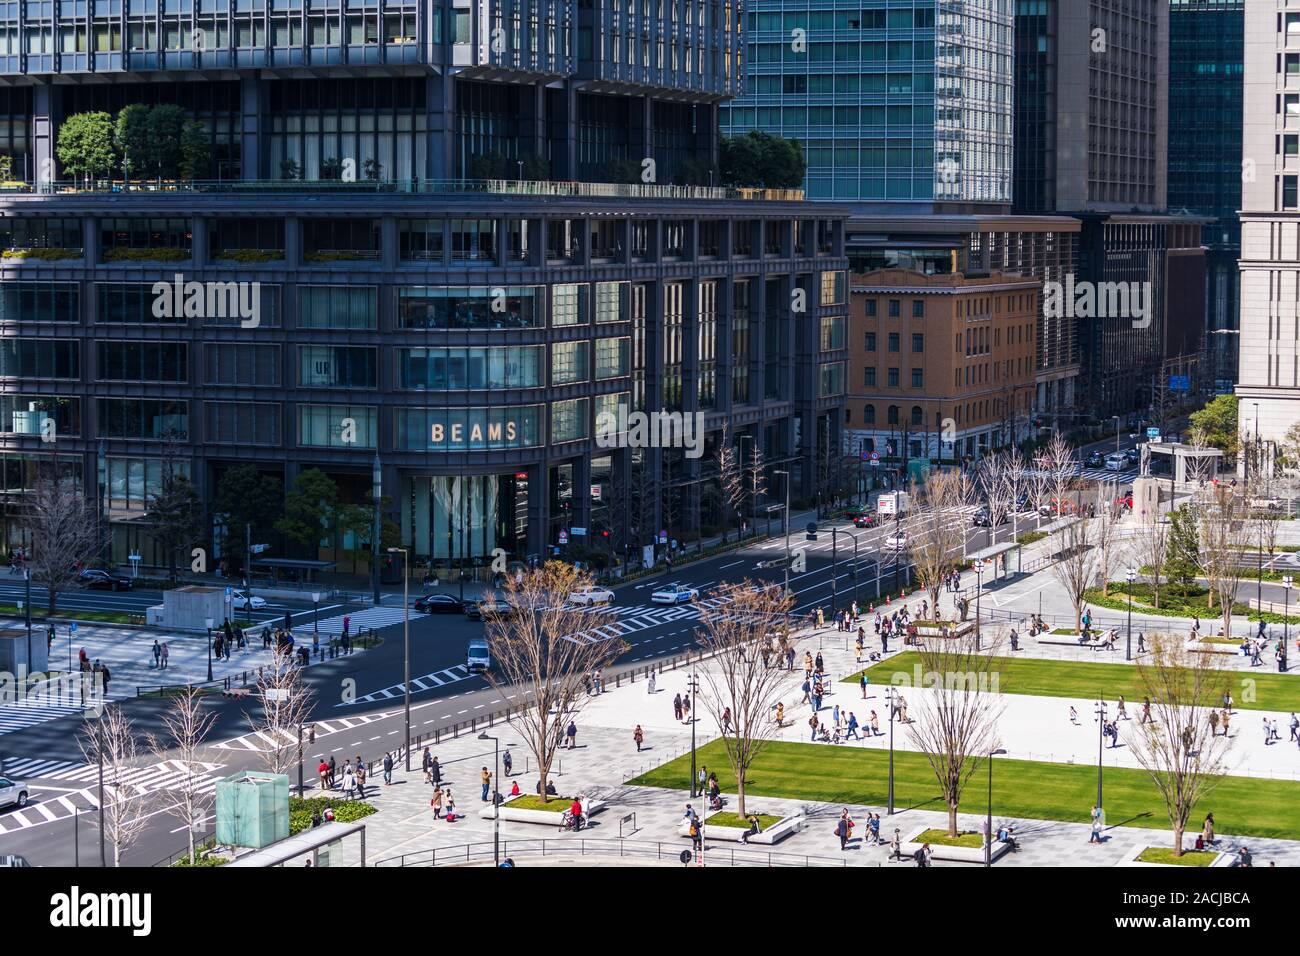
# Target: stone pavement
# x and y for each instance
(605, 758)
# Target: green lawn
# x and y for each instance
(98, 617)
(1164, 855)
(968, 838)
(724, 819)
(1087, 679)
(1251, 806)
(531, 801)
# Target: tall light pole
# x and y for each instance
(891, 693)
(377, 480)
(786, 519)
(1101, 727)
(988, 836)
(695, 703)
(1287, 581)
(315, 624)
(208, 622)
(496, 797)
(853, 535)
(979, 587)
(1130, 575)
(753, 504)
(406, 647)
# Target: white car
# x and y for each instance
(12, 792)
(673, 594)
(1117, 462)
(896, 542)
(241, 601)
(592, 596)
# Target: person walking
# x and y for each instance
(451, 807)
(638, 736)
(164, 654)
(388, 769)
(349, 781)
(323, 775)
(507, 761)
(1295, 727)
(813, 723)
(842, 831)
(853, 727)
(686, 707)
(425, 761)
(572, 734)
(435, 802)
(863, 681)
(1096, 817)
(333, 769)
(485, 778)
(435, 772)
(677, 708)
(157, 654)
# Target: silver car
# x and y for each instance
(12, 792)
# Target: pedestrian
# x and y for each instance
(650, 684)
(485, 778)
(1295, 727)
(436, 802)
(361, 780)
(572, 734)
(435, 772)
(1096, 816)
(388, 769)
(858, 644)
(1120, 712)
(726, 720)
(157, 654)
(875, 725)
(812, 723)
(333, 770)
(638, 735)
(1142, 643)
(323, 775)
(842, 831)
(686, 707)
(677, 708)
(1074, 716)
(853, 727)
(507, 761)
(424, 765)
(349, 781)
(863, 681)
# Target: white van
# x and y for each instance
(1116, 462)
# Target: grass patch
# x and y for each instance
(969, 839)
(98, 617)
(1250, 806)
(724, 819)
(345, 811)
(1088, 680)
(531, 801)
(1165, 856)
(1176, 600)
(1029, 537)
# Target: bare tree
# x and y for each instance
(1180, 747)
(1076, 566)
(110, 741)
(544, 651)
(731, 482)
(756, 474)
(1153, 549)
(1062, 468)
(66, 535)
(1015, 478)
(1037, 481)
(997, 493)
(956, 722)
(735, 630)
(1200, 469)
(286, 703)
(186, 727)
(1221, 522)
(1106, 534)
(936, 528)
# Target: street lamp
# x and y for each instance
(315, 628)
(891, 693)
(1287, 581)
(988, 835)
(406, 646)
(834, 575)
(979, 587)
(377, 482)
(496, 796)
(695, 703)
(786, 519)
(208, 622)
(1130, 575)
(1101, 727)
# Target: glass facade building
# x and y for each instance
(411, 241)
(892, 102)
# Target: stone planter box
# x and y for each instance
(772, 835)
(960, 629)
(960, 854)
(549, 818)
(1209, 647)
(1220, 859)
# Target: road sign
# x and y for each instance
(230, 592)
(1153, 432)
(663, 537)
(1180, 383)
(578, 532)
(564, 537)
(875, 463)
(73, 627)
(258, 548)
(595, 492)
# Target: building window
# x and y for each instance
(1290, 200)
(568, 420)
(134, 482)
(868, 414)
(895, 308)
(869, 376)
(40, 302)
(832, 292)
(29, 414)
(337, 426)
(894, 341)
(918, 342)
(228, 363)
(568, 362)
(453, 369)
(610, 299)
(143, 362)
(918, 308)
(918, 378)
(242, 423)
(469, 307)
(338, 307)
(143, 419)
(612, 357)
(891, 417)
(337, 366)
(871, 308)
(918, 418)
(419, 240)
(870, 344)
(569, 304)
(893, 378)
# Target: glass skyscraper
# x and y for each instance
(892, 102)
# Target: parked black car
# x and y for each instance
(481, 610)
(983, 519)
(1095, 460)
(104, 580)
(439, 604)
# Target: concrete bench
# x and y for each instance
(1209, 647)
(773, 834)
(959, 854)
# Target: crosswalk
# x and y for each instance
(261, 741)
(442, 678)
(22, 715)
(61, 788)
(368, 618)
(633, 619)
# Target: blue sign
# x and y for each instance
(1180, 383)
(73, 627)
(1153, 432)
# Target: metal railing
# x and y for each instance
(416, 185)
(624, 849)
